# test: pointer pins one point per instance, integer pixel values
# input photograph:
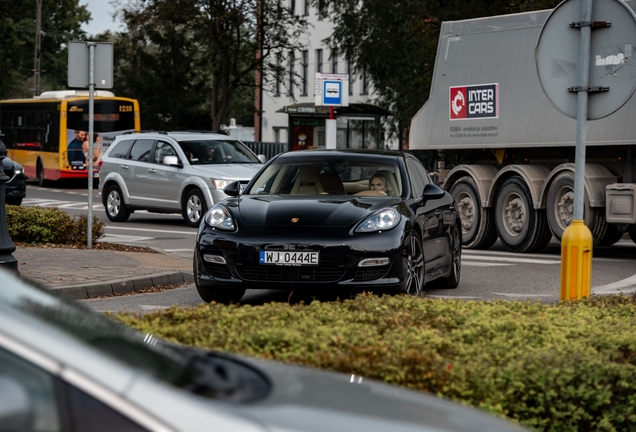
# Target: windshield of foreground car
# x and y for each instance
(204, 373)
(212, 152)
(309, 176)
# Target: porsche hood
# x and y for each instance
(330, 211)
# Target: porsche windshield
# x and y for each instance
(306, 176)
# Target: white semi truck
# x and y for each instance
(512, 172)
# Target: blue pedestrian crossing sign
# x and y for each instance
(332, 89)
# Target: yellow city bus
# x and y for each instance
(48, 135)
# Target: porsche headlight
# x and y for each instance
(219, 217)
(219, 184)
(383, 220)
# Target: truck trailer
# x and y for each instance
(512, 151)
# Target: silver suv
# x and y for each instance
(172, 172)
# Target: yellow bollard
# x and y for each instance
(576, 262)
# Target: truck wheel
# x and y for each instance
(521, 227)
(560, 209)
(612, 235)
(40, 175)
(478, 224)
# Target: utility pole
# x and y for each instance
(36, 55)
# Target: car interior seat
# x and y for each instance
(332, 183)
(307, 182)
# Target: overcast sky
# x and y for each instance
(101, 17)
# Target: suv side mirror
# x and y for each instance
(262, 158)
(233, 189)
(432, 191)
(172, 161)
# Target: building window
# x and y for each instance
(291, 73)
(292, 6)
(334, 61)
(365, 83)
(305, 72)
(351, 77)
(279, 78)
(319, 60)
(307, 4)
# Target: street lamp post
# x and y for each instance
(7, 247)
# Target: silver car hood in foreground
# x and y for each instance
(305, 399)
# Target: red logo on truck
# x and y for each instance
(457, 103)
(477, 101)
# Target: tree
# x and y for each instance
(185, 57)
(61, 22)
(396, 42)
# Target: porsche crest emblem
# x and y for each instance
(294, 220)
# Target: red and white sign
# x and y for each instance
(477, 101)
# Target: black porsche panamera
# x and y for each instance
(310, 220)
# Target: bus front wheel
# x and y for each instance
(114, 204)
(40, 173)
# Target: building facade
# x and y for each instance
(288, 114)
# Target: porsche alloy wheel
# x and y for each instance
(414, 262)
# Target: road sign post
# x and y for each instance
(331, 90)
(585, 88)
(90, 64)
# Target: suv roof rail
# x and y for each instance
(145, 131)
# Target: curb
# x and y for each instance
(120, 286)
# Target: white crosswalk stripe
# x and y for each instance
(49, 203)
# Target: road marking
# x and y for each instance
(450, 297)
(524, 295)
(179, 250)
(482, 264)
(150, 230)
(114, 238)
(512, 260)
(75, 205)
(625, 286)
(153, 307)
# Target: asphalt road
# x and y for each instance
(486, 275)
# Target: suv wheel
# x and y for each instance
(194, 208)
(114, 204)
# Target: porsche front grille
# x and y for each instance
(323, 273)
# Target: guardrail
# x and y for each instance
(269, 149)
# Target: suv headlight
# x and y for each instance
(382, 220)
(220, 184)
(219, 217)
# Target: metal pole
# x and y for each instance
(7, 260)
(91, 100)
(581, 112)
(36, 55)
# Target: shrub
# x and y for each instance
(564, 367)
(35, 225)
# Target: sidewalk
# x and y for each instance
(87, 273)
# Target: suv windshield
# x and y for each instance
(205, 152)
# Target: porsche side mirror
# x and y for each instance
(233, 189)
(432, 191)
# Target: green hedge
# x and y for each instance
(35, 225)
(565, 367)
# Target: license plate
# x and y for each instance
(289, 258)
